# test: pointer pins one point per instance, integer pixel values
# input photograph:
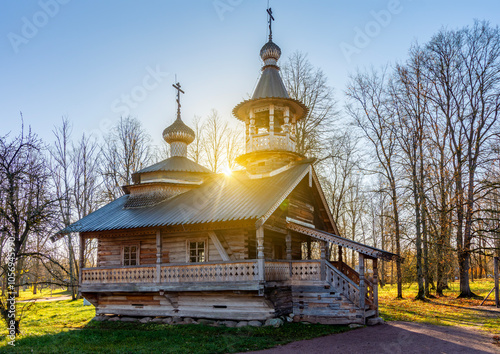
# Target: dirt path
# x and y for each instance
(394, 338)
(44, 299)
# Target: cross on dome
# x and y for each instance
(178, 135)
(177, 86)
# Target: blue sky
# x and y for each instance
(95, 60)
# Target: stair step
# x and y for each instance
(312, 288)
(325, 305)
(328, 319)
(316, 294)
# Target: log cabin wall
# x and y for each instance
(239, 244)
(301, 203)
(244, 305)
(174, 246)
(109, 249)
(274, 245)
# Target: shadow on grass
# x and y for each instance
(118, 337)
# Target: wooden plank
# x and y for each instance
(218, 246)
(155, 287)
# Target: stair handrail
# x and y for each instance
(349, 289)
(342, 275)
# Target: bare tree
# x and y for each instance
(234, 147)
(464, 68)
(309, 85)
(61, 171)
(126, 150)
(409, 97)
(214, 137)
(195, 149)
(371, 110)
(27, 203)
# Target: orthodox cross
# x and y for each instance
(270, 19)
(177, 86)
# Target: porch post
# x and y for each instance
(158, 255)
(259, 233)
(81, 261)
(340, 254)
(288, 240)
(362, 289)
(322, 245)
(375, 285)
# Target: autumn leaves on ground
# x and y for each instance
(447, 310)
(64, 326)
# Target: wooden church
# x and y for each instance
(186, 242)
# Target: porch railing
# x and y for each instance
(204, 272)
(139, 274)
(292, 270)
(217, 272)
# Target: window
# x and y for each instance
(196, 251)
(130, 255)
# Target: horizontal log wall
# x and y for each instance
(220, 305)
(301, 203)
(174, 247)
(109, 251)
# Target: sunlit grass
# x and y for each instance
(46, 292)
(446, 310)
(65, 327)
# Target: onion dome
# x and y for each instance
(270, 53)
(179, 136)
(178, 132)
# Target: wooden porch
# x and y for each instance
(243, 276)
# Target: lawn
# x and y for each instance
(446, 311)
(46, 292)
(63, 326)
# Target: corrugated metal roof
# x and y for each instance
(176, 163)
(270, 85)
(221, 198)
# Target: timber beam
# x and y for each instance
(371, 252)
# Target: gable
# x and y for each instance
(305, 203)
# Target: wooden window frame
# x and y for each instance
(188, 250)
(138, 254)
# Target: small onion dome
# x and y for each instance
(178, 132)
(270, 53)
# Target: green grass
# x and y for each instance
(46, 292)
(63, 327)
(445, 311)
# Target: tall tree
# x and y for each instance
(61, 171)
(27, 203)
(215, 135)
(126, 150)
(409, 97)
(464, 66)
(309, 85)
(371, 110)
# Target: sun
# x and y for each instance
(227, 171)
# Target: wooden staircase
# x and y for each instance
(321, 303)
(333, 301)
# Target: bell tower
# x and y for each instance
(270, 118)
